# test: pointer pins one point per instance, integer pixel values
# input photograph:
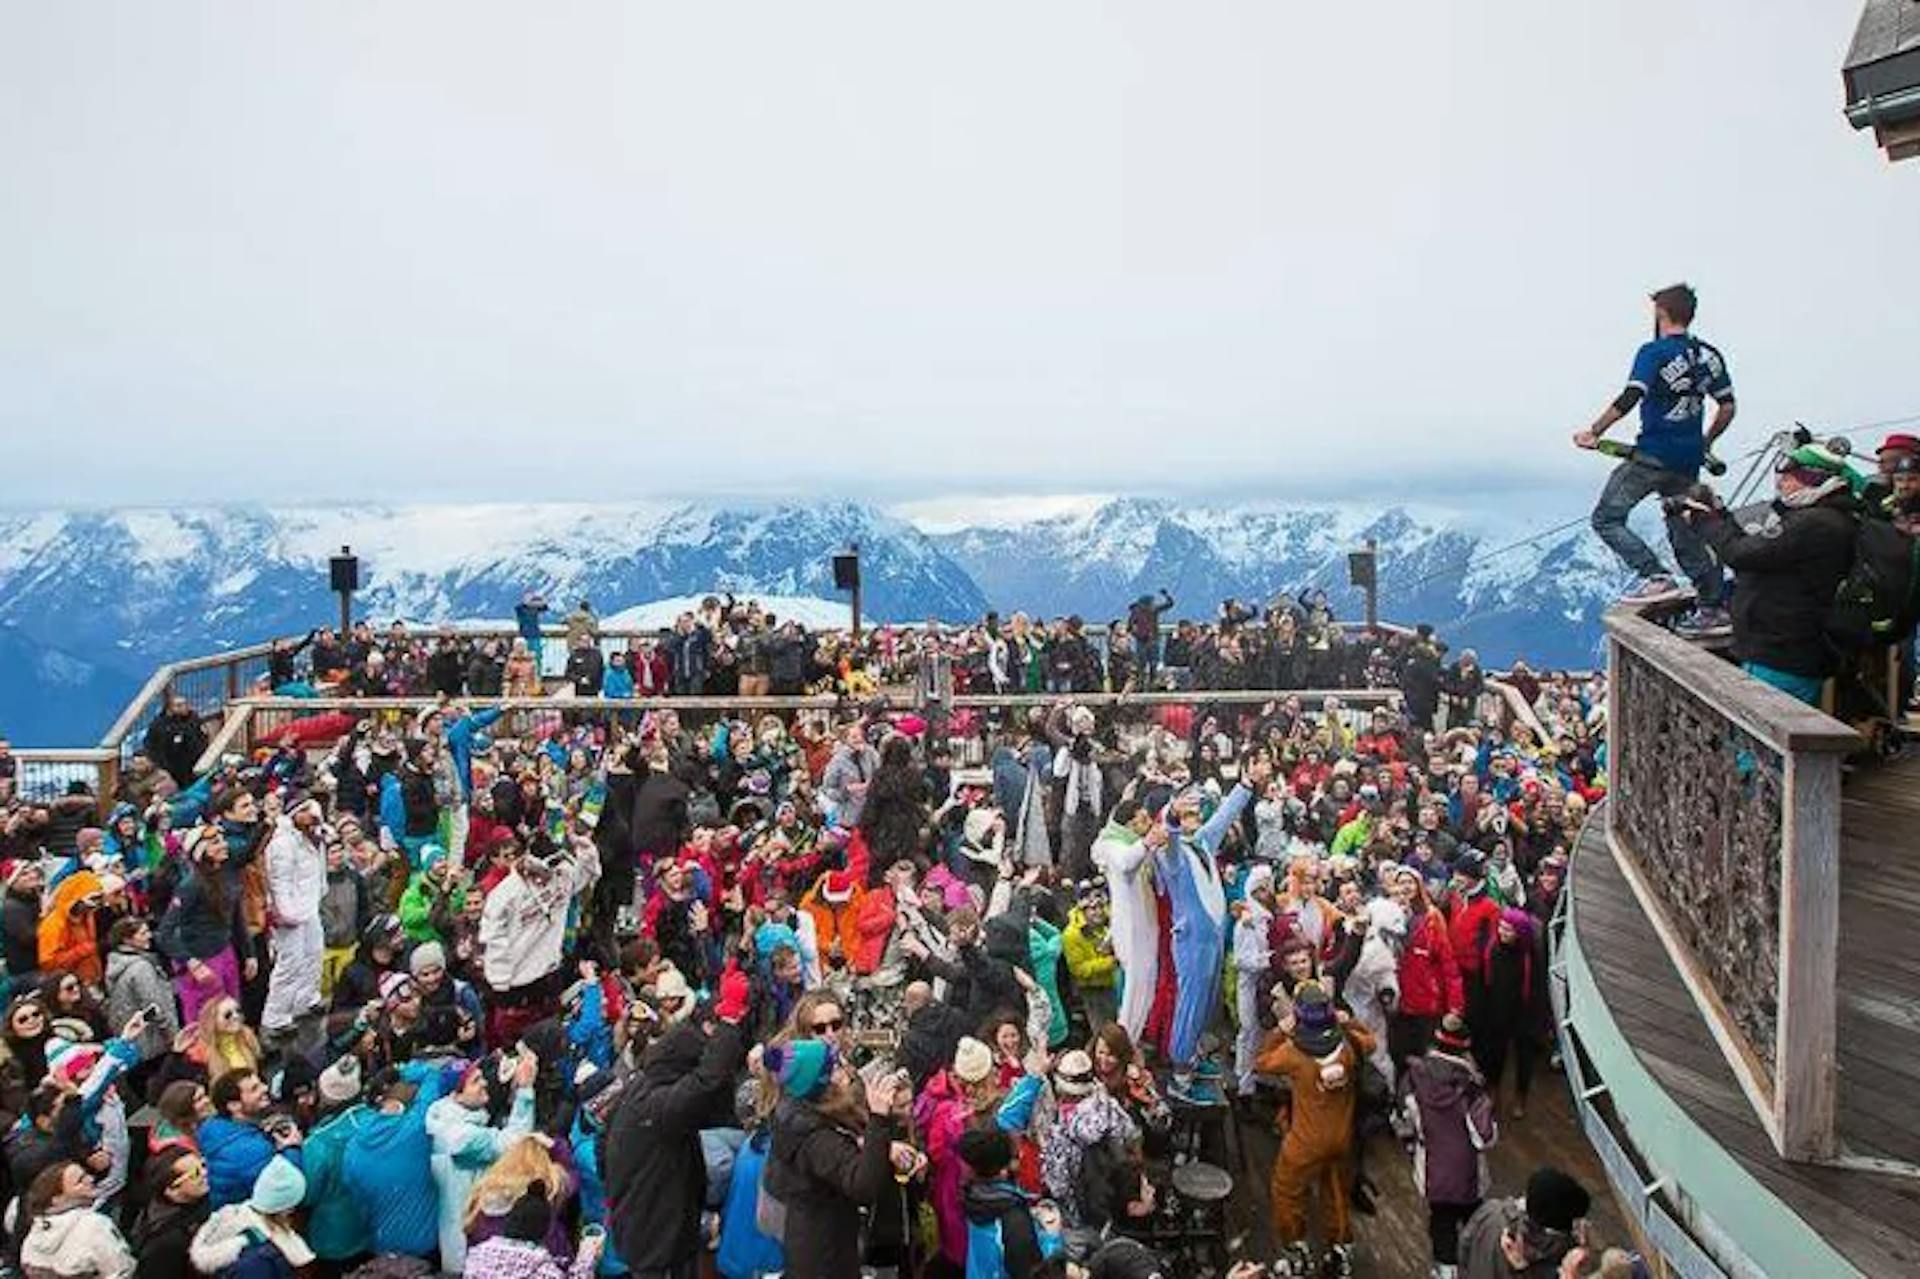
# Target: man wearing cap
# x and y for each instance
(296, 881)
(1895, 449)
(1787, 568)
(1672, 378)
(465, 1144)
(1525, 1238)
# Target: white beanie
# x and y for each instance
(972, 1061)
(340, 1082)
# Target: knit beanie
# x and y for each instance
(431, 855)
(972, 1061)
(1073, 1074)
(1452, 1035)
(279, 1188)
(803, 1067)
(393, 986)
(340, 1082)
(428, 954)
(71, 1061)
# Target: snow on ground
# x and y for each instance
(808, 610)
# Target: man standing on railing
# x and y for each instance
(1143, 622)
(1672, 379)
(176, 740)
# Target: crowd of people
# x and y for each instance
(471, 992)
(735, 648)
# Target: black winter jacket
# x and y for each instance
(824, 1176)
(656, 1179)
(1784, 581)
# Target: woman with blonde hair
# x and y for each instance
(222, 1041)
(526, 1163)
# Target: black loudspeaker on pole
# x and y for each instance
(846, 577)
(1363, 572)
(344, 576)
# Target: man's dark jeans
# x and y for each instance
(1632, 483)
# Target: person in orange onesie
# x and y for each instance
(1319, 1052)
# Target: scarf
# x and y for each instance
(1800, 499)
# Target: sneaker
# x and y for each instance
(1295, 1262)
(1704, 623)
(1208, 1068)
(1658, 589)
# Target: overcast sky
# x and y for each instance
(892, 250)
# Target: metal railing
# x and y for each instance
(1724, 814)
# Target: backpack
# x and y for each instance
(1878, 601)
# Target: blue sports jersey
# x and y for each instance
(1674, 376)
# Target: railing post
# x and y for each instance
(1804, 1052)
(108, 781)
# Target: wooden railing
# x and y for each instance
(253, 721)
(228, 691)
(1724, 814)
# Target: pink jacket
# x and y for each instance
(940, 1114)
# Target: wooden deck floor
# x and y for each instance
(1872, 1219)
(1392, 1244)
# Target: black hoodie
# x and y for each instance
(162, 1236)
(656, 1179)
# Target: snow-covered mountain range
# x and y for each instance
(90, 601)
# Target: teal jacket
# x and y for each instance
(336, 1225)
(1044, 944)
(388, 1172)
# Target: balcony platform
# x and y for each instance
(1743, 1200)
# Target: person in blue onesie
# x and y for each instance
(1188, 865)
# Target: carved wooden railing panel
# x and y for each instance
(1724, 816)
(1700, 801)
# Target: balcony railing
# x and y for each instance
(1724, 814)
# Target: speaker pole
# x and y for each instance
(1373, 587)
(855, 547)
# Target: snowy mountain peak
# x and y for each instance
(90, 601)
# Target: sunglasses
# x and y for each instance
(828, 1025)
